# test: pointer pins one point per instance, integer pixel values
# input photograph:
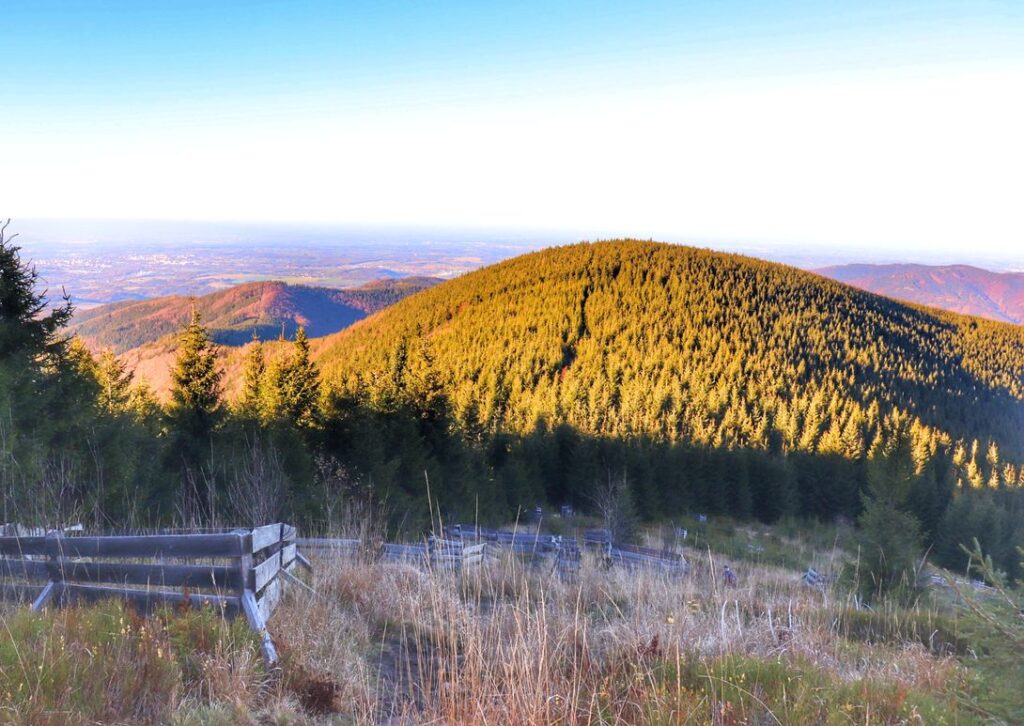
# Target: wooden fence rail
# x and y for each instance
(240, 572)
(466, 545)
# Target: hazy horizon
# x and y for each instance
(44, 237)
(891, 128)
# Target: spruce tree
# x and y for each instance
(300, 384)
(194, 413)
(115, 382)
(251, 401)
(889, 536)
(24, 330)
(196, 381)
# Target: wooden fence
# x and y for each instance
(634, 557)
(438, 552)
(466, 545)
(238, 571)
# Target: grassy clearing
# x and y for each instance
(510, 645)
(514, 644)
(792, 544)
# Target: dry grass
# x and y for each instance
(506, 643)
(510, 644)
(105, 664)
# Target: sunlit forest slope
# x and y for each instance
(638, 338)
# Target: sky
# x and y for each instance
(886, 127)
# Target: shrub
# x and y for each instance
(890, 544)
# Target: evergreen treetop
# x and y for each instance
(196, 378)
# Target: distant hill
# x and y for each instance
(234, 315)
(959, 288)
(379, 294)
(632, 339)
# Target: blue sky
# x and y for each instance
(876, 124)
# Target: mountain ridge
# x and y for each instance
(266, 310)
(961, 288)
(598, 336)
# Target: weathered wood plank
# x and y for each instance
(30, 569)
(265, 536)
(264, 572)
(296, 581)
(649, 552)
(268, 599)
(168, 545)
(208, 576)
(288, 554)
(45, 596)
(252, 614)
(325, 542)
(404, 550)
(18, 546)
(301, 559)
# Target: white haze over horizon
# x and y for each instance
(914, 168)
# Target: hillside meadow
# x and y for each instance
(511, 643)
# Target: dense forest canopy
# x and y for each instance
(696, 381)
(641, 339)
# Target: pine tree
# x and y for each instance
(300, 384)
(142, 403)
(196, 381)
(194, 414)
(115, 382)
(890, 544)
(24, 330)
(80, 360)
(251, 402)
(889, 536)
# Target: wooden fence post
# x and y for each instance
(247, 601)
(54, 587)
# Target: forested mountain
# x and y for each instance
(632, 338)
(685, 380)
(233, 316)
(958, 288)
(713, 382)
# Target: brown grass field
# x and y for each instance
(506, 643)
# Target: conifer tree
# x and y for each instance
(115, 381)
(194, 413)
(251, 402)
(889, 536)
(79, 359)
(196, 381)
(300, 384)
(142, 403)
(23, 328)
